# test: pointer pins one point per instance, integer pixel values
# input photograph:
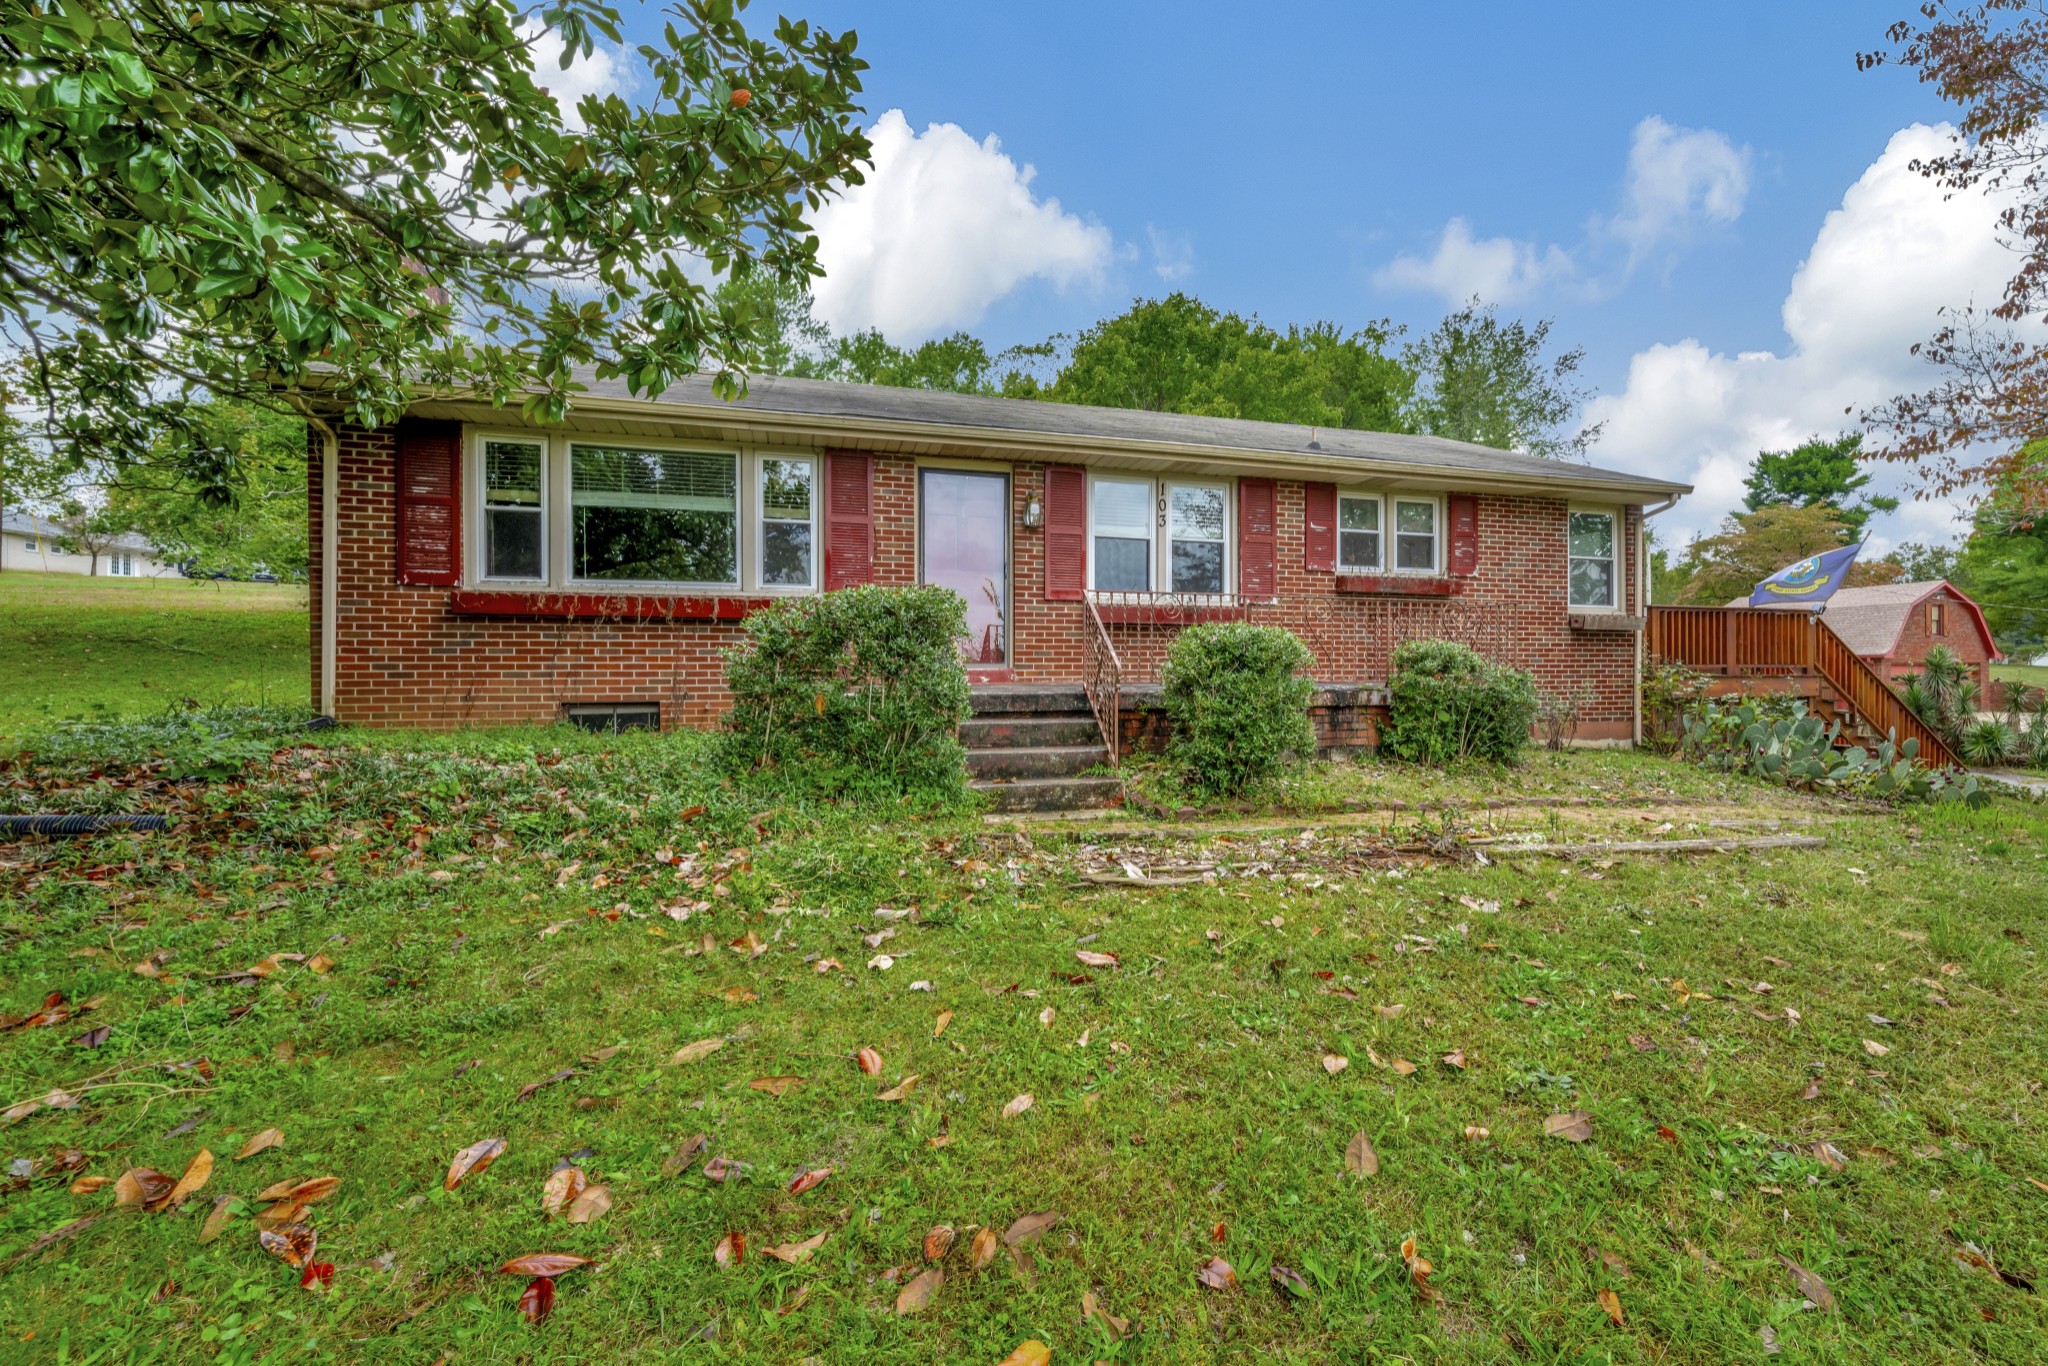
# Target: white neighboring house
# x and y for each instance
(30, 542)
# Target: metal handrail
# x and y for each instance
(1103, 681)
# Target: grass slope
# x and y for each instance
(71, 645)
(502, 910)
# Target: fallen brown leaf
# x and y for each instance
(217, 1221)
(915, 1296)
(1419, 1269)
(1611, 1302)
(472, 1160)
(1029, 1227)
(808, 1179)
(86, 1185)
(983, 1250)
(776, 1086)
(543, 1264)
(731, 1250)
(293, 1246)
(562, 1187)
(1030, 1352)
(1574, 1126)
(269, 1138)
(1333, 1063)
(794, 1253)
(1018, 1105)
(696, 1052)
(1874, 1048)
(1096, 960)
(141, 1187)
(591, 1204)
(1810, 1285)
(197, 1172)
(1091, 1308)
(537, 1301)
(869, 1061)
(1217, 1274)
(901, 1090)
(679, 1161)
(1359, 1156)
(939, 1025)
(1288, 1279)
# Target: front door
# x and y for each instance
(964, 530)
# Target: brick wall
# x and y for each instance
(403, 660)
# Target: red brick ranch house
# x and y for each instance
(471, 570)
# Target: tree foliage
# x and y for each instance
(1489, 381)
(262, 525)
(1818, 471)
(1971, 427)
(1750, 547)
(2004, 563)
(220, 199)
(1179, 355)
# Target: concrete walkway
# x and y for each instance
(2029, 783)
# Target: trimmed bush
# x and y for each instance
(1449, 702)
(859, 691)
(1238, 695)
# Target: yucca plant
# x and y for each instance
(1987, 744)
(1942, 694)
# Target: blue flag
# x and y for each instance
(1813, 579)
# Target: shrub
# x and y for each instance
(1238, 696)
(1449, 702)
(859, 691)
(1670, 689)
(1987, 744)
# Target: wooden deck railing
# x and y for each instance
(1103, 680)
(1772, 642)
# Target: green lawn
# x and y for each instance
(2036, 674)
(538, 907)
(74, 646)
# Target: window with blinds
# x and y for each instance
(654, 516)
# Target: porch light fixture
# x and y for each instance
(1034, 514)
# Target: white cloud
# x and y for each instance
(1173, 254)
(943, 227)
(602, 71)
(1882, 264)
(1677, 179)
(1499, 270)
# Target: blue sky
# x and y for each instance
(1283, 159)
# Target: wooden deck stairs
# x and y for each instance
(1775, 649)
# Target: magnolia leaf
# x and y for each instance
(1288, 1279)
(1096, 960)
(141, 1187)
(1030, 1227)
(696, 1052)
(293, 1246)
(472, 1160)
(1217, 1274)
(1091, 1308)
(1018, 1105)
(1030, 1352)
(1611, 1302)
(901, 1090)
(537, 1301)
(984, 1249)
(775, 1086)
(543, 1264)
(86, 1185)
(1333, 1063)
(1810, 1285)
(197, 1172)
(269, 1138)
(217, 1221)
(939, 1025)
(731, 1250)
(915, 1296)
(808, 1179)
(679, 1161)
(869, 1061)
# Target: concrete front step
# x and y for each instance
(1045, 761)
(1001, 699)
(1050, 794)
(1014, 731)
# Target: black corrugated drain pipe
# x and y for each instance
(16, 826)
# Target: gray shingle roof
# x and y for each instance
(1128, 426)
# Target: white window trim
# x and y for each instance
(1617, 589)
(558, 530)
(1160, 532)
(755, 530)
(1360, 496)
(1390, 549)
(479, 516)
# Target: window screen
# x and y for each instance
(513, 530)
(1358, 534)
(1195, 520)
(1592, 559)
(1123, 535)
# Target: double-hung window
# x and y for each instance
(1197, 527)
(515, 509)
(1358, 534)
(787, 493)
(1123, 515)
(1594, 571)
(1415, 535)
(654, 516)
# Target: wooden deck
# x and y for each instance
(1747, 647)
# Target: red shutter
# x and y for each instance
(1464, 534)
(1258, 567)
(849, 519)
(1319, 528)
(1066, 533)
(429, 502)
